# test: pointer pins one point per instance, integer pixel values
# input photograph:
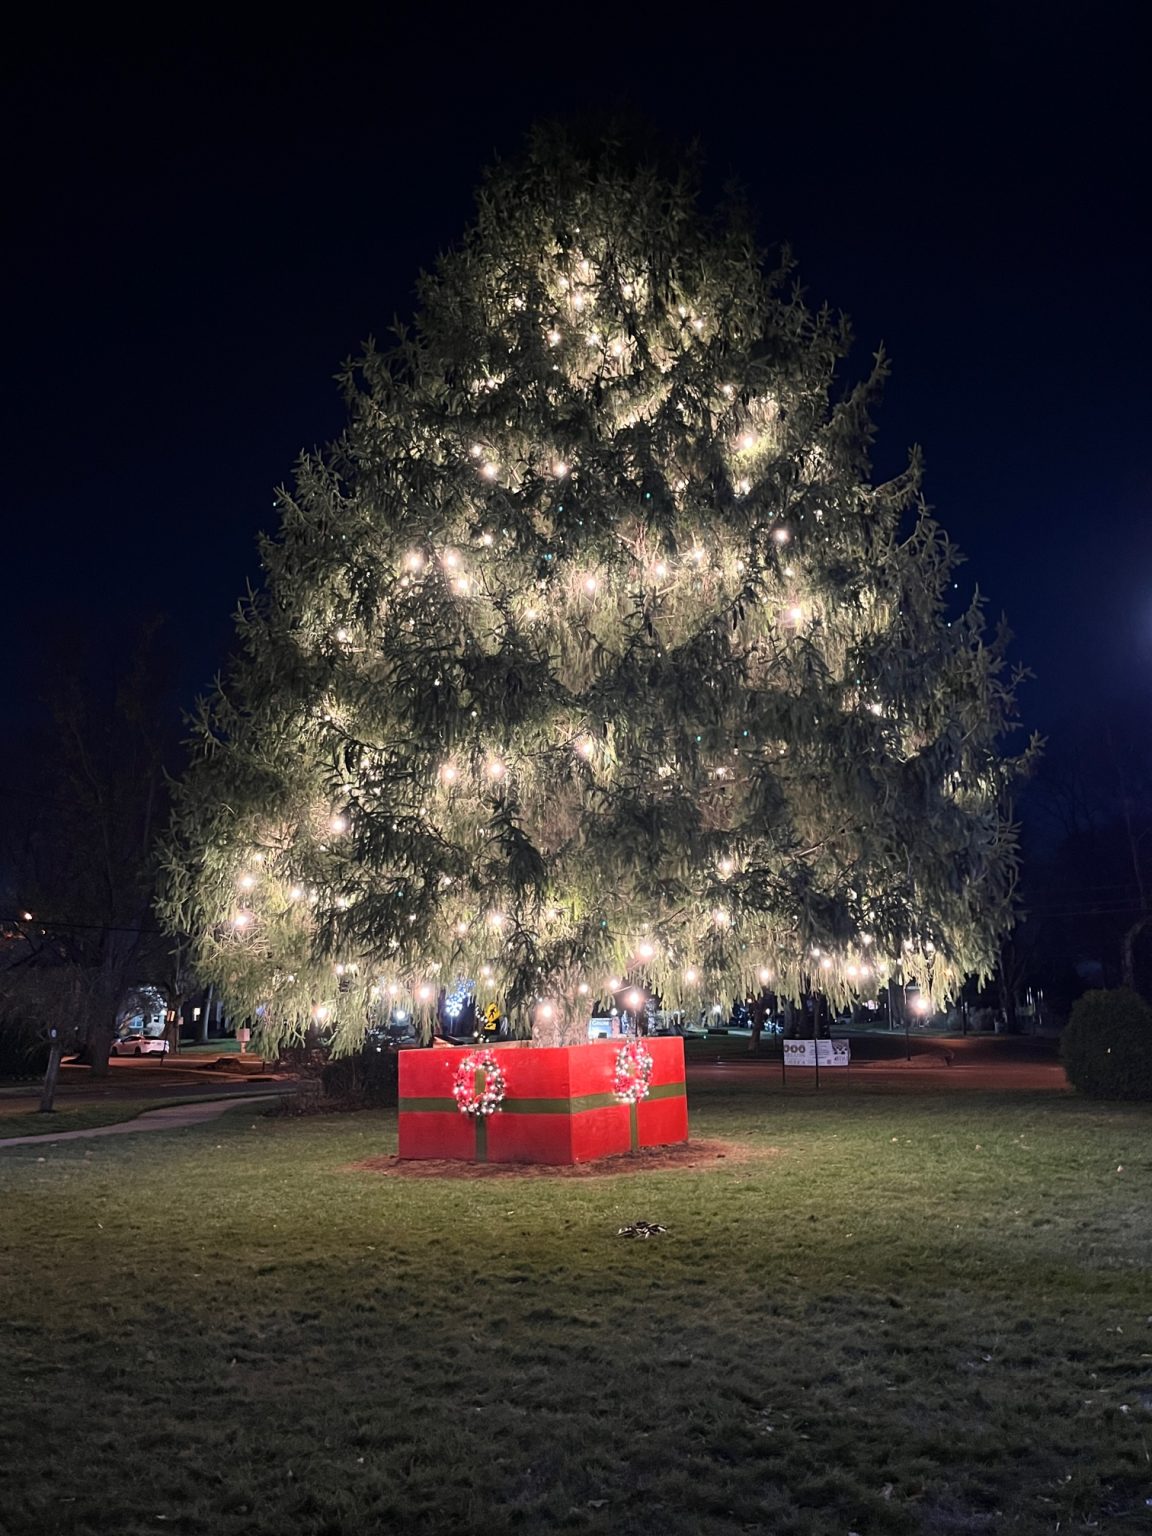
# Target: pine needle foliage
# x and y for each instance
(590, 649)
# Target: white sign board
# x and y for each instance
(810, 1053)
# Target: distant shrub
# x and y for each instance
(370, 1077)
(23, 1048)
(1107, 1045)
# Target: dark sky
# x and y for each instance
(204, 225)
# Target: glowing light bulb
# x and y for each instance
(475, 450)
(582, 989)
(341, 635)
(781, 535)
(414, 560)
(486, 972)
(560, 470)
(634, 998)
(490, 471)
(495, 768)
(546, 1010)
(764, 975)
(590, 585)
(339, 970)
(247, 882)
(696, 555)
(617, 349)
(320, 1012)
(531, 614)
(727, 866)
(865, 938)
(826, 963)
(613, 983)
(721, 918)
(585, 746)
(744, 486)
(449, 773)
(748, 441)
(691, 975)
(295, 893)
(486, 540)
(338, 824)
(451, 559)
(496, 919)
(646, 951)
(461, 586)
(461, 927)
(553, 338)
(425, 993)
(27, 916)
(661, 570)
(795, 614)
(578, 301)
(241, 920)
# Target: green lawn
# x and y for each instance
(915, 1315)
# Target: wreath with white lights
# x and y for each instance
(478, 1086)
(633, 1077)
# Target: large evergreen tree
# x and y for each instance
(590, 649)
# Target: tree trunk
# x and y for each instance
(205, 1016)
(1128, 950)
(48, 1095)
(98, 1046)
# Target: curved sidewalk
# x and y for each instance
(174, 1117)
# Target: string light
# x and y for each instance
(241, 920)
(586, 746)
(781, 535)
(295, 893)
(449, 773)
(247, 882)
(721, 918)
(414, 561)
(646, 951)
(341, 635)
(691, 975)
(590, 585)
(490, 471)
(338, 824)
(495, 768)
(582, 989)
(634, 998)
(560, 470)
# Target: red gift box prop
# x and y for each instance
(558, 1107)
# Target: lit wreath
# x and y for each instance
(485, 1097)
(633, 1076)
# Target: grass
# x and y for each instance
(914, 1315)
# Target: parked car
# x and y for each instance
(139, 1045)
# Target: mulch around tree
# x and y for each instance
(690, 1156)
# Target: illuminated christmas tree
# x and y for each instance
(590, 651)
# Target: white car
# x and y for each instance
(139, 1045)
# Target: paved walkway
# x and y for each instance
(175, 1117)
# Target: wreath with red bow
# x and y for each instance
(633, 1077)
(478, 1085)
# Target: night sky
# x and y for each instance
(204, 226)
